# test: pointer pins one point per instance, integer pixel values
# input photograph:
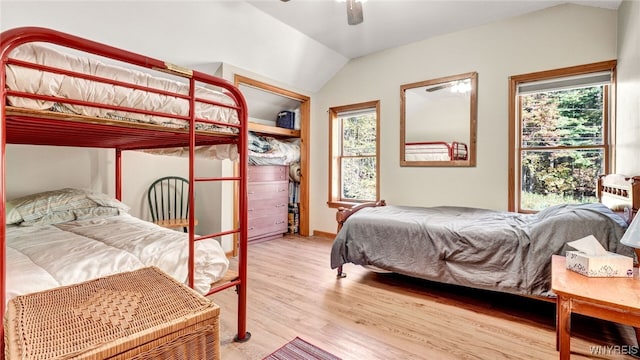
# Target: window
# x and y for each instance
(560, 124)
(353, 158)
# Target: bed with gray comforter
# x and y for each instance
(479, 248)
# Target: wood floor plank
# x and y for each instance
(293, 292)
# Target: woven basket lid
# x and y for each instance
(101, 316)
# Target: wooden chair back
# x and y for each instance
(169, 202)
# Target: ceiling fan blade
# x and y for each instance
(440, 87)
(354, 12)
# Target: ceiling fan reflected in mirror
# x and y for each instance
(354, 11)
(457, 86)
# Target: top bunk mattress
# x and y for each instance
(80, 85)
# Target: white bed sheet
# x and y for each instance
(64, 86)
(426, 152)
(426, 157)
(68, 87)
(49, 256)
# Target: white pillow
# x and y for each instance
(12, 215)
(57, 205)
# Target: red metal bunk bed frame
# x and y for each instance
(459, 151)
(35, 129)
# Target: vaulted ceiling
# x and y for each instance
(391, 23)
(301, 43)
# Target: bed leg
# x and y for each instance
(247, 336)
(340, 274)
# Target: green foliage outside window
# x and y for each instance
(359, 157)
(571, 122)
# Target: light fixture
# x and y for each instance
(461, 87)
(631, 236)
(354, 11)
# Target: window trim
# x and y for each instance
(514, 180)
(335, 174)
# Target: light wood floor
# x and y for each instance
(293, 292)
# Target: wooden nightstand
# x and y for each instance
(612, 299)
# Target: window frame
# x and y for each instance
(515, 131)
(335, 152)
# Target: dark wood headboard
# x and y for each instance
(343, 213)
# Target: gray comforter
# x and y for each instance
(479, 248)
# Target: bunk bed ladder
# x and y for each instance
(241, 180)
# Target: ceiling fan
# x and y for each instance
(354, 11)
(457, 86)
(440, 87)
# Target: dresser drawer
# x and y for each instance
(273, 223)
(268, 173)
(275, 204)
(268, 197)
(271, 190)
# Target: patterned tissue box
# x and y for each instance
(610, 265)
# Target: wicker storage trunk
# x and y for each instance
(143, 314)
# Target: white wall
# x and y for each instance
(548, 39)
(628, 92)
(40, 168)
(442, 116)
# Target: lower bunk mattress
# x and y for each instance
(48, 256)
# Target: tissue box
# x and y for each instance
(610, 265)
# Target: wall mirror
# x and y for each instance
(438, 121)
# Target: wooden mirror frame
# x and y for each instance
(473, 114)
